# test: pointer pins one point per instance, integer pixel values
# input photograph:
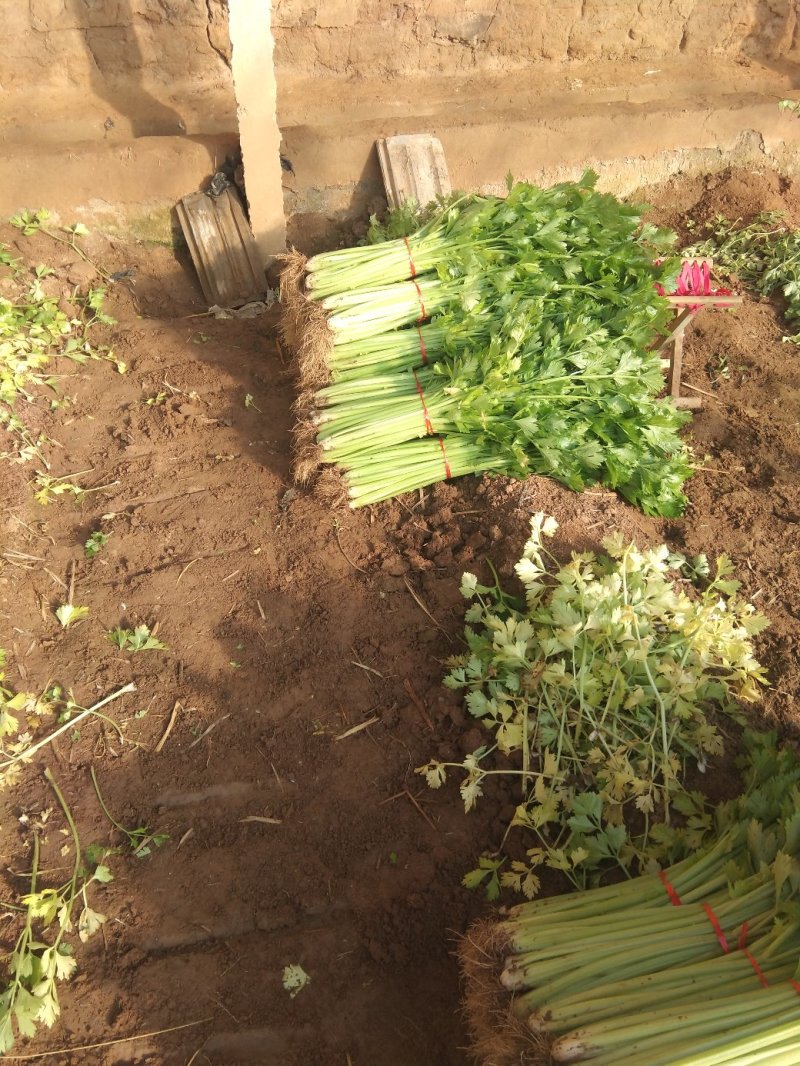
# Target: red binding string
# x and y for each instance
(447, 472)
(716, 927)
(674, 898)
(424, 314)
(742, 945)
(796, 986)
(422, 348)
(750, 959)
(410, 260)
(757, 968)
(428, 426)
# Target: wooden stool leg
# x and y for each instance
(692, 403)
(676, 365)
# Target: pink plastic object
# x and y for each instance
(695, 280)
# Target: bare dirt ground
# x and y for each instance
(287, 625)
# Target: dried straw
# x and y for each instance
(331, 488)
(315, 347)
(304, 328)
(498, 1037)
(305, 332)
(291, 287)
(306, 453)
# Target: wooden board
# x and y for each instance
(222, 247)
(413, 168)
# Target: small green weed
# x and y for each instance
(718, 369)
(68, 614)
(295, 979)
(138, 639)
(142, 840)
(406, 219)
(30, 221)
(48, 487)
(95, 542)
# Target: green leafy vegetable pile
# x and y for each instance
(764, 255)
(596, 691)
(697, 966)
(506, 335)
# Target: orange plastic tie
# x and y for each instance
(422, 348)
(757, 968)
(717, 928)
(410, 260)
(674, 898)
(424, 314)
(447, 472)
(428, 425)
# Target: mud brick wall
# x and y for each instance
(163, 65)
(57, 43)
(152, 67)
(114, 109)
(358, 38)
(111, 110)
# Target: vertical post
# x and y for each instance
(252, 47)
(676, 364)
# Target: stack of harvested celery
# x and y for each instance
(694, 967)
(506, 335)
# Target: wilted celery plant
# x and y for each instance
(596, 692)
(764, 255)
(34, 330)
(41, 956)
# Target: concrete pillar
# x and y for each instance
(252, 45)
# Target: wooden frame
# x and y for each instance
(686, 308)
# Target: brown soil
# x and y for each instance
(288, 624)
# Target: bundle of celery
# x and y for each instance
(695, 965)
(517, 330)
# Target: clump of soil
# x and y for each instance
(287, 625)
